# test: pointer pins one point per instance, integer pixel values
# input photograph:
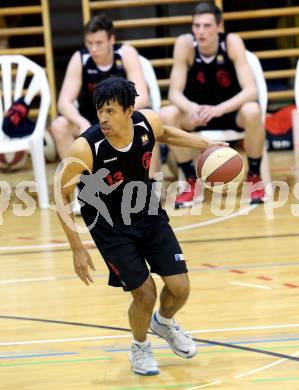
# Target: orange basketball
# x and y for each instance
(220, 168)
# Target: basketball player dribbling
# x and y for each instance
(120, 146)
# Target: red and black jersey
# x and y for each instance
(214, 82)
(91, 76)
(126, 167)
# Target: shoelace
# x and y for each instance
(143, 353)
(175, 326)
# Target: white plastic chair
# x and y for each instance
(152, 82)
(233, 135)
(297, 86)
(155, 98)
(11, 91)
(295, 114)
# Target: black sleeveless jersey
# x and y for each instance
(91, 76)
(121, 168)
(214, 82)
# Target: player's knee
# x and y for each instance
(59, 128)
(146, 297)
(250, 112)
(181, 289)
(170, 115)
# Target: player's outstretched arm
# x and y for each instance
(174, 136)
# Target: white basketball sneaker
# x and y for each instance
(142, 360)
(179, 341)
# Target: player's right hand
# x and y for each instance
(83, 264)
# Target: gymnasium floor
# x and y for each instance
(56, 333)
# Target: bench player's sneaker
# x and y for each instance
(256, 189)
(190, 196)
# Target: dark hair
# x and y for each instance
(208, 8)
(115, 89)
(100, 22)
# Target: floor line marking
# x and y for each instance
(44, 341)
(46, 362)
(290, 285)
(64, 340)
(251, 285)
(216, 220)
(10, 281)
(277, 379)
(177, 229)
(212, 342)
(206, 385)
(39, 246)
(36, 355)
(265, 367)
(282, 326)
(208, 269)
(201, 343)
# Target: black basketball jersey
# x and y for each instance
(123, 167)
(91, 76)
(214, 82)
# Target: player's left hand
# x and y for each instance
(218, 143)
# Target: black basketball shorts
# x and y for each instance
(131, 252)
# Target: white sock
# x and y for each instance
(163, 320)
(145, 343)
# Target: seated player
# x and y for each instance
(212, 87)
(98, 60)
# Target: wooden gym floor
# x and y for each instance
(58, 334)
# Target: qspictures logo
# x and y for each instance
(135, 197)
